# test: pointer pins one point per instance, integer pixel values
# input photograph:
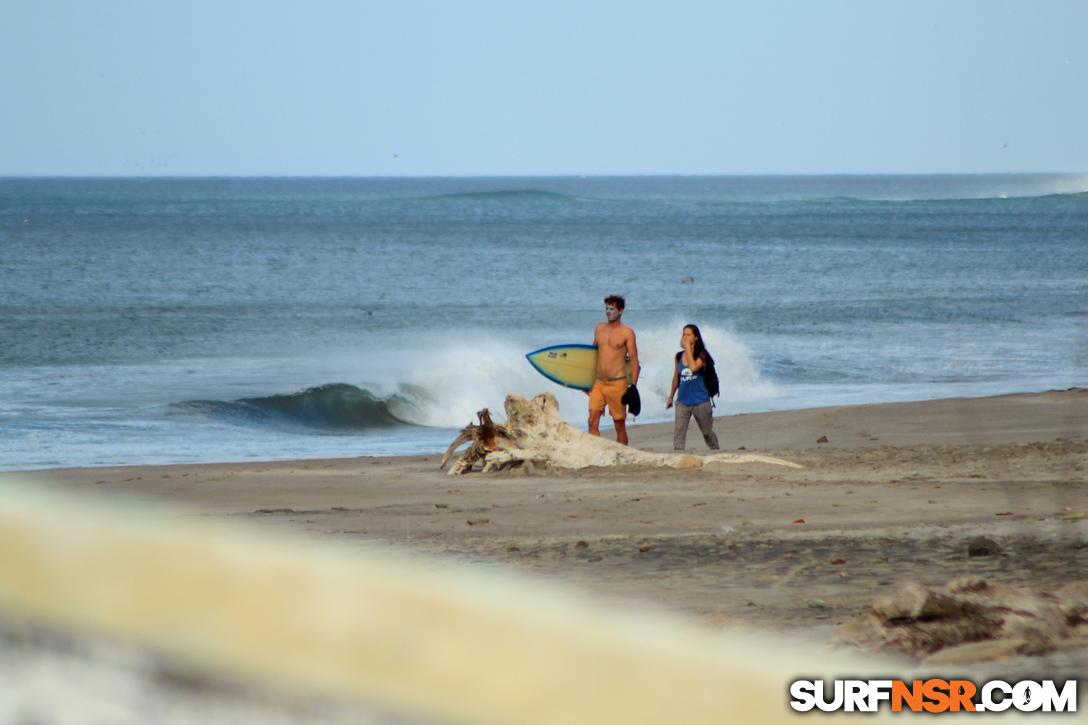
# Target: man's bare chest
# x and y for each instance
(612, 339)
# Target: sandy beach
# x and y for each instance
(896, 494)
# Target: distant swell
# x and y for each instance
(334, 407)
(883, 199)
(513, 195)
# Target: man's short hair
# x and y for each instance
(616, 301)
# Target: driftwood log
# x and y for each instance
(534, 433)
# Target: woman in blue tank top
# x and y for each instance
(689, 390)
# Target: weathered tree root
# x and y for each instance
(485, 439)
(534, 433)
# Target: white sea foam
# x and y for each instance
(447, 386)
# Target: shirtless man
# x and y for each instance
(615, 342)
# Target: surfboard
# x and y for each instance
(573, 366)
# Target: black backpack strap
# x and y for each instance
(704, 370)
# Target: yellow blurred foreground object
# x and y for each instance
(457, 645)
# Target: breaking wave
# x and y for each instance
(333, 407)
(447, 387)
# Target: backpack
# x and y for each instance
(710, 377)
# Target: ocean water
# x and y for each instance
(200, 320)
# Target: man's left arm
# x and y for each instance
(632, 351)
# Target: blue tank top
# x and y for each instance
(692, 389)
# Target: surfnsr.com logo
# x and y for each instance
(935, 696)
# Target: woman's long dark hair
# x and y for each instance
(699, 349)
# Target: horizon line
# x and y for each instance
(541, 176)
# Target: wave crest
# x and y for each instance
(511, 195)
(336, 407)
(446, 387)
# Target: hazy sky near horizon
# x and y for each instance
(246, 88)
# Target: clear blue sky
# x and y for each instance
(409, 88)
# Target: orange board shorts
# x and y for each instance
(609, 392)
